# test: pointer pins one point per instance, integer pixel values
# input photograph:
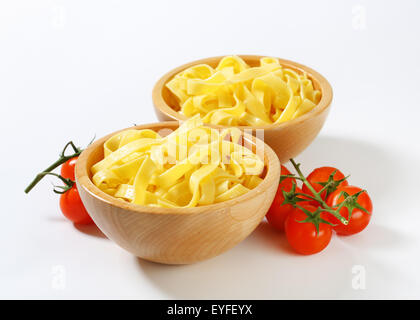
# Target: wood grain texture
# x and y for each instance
(287, 139)
(177, 236)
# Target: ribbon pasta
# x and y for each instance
(192, 166)
(235, 94)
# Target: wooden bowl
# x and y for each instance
(177, 236)
(287, 139)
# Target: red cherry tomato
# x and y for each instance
(287, 183)
(278, 212)
(359, 219)
(67, 169)
(321, 175)
(72, 207)
(303, 237)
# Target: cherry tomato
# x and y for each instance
(287, 183)
(359, 219)
(303, 237)
(277, 214)
(72, 207)
(67, 169)
(321, 175)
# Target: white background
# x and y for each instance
(72, 69)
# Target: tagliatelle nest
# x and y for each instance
(235, 94)
(192, 166)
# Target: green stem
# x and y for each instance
(317, 196)
(63, 158)
(306, 196)
(68, 183)
(285, 176)
(302, 177)
(75, 149)
(56, 164)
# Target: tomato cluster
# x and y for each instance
(308, 215)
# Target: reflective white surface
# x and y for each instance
(72, 69)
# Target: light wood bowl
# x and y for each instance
(177, 236)
(287, 139)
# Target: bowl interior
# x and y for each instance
(94, 153)
(169, 99)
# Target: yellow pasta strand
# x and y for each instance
(141, 180)
(235, 94)
(192, 166)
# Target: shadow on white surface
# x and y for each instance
(56, 219)
(370, 166)
(252, 270)
(378, 237)
(90, 230)
(264, 267)
(273, 239)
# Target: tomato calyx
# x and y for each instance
(68, 183)
(314, 217)
(71, 204)
(331, 184)
(317, 195)
(61, 160)
(350, 202)
(292, 197)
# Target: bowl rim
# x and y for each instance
(325, 87)
(84, 181)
